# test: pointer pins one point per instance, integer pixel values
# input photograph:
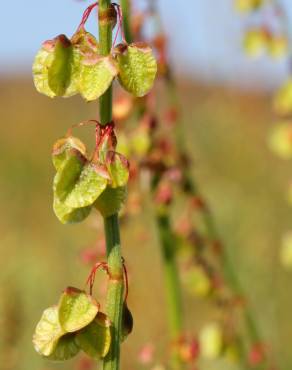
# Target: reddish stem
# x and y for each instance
(86, 15)
(126, 281)
(91, 278)
(120, 24)
(80, 124)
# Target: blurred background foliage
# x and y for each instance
(245, 184)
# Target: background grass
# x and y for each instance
(243, 182)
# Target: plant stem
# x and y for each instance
(125, 5)
(105, 43)
(172, 283)
(114, 300)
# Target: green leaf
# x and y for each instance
(41, 65)
(95, 339)
(62, 147)
(137, 68)
(127, 322)
(76, 309)
(96, 76)
(47, 332)
(118, 168)
(111, 201)
(66, 348)
(69, 215)
(59, 73)
(88, 187)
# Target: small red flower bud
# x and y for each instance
(257, 354)
(164, 194)
(146, 354)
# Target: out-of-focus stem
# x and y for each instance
(172, 282)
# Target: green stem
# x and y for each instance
(114, 299)
(105, 43)
(172, 284)
(125, 5)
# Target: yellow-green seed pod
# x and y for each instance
(255, 42)
(111, 201)
(248, 5)
(280, 139)
(95, 339)
(286, 250)
(283, 99)
(76, 310)
(137, 68)
(196, 281)
(211, 341)
(277, 46)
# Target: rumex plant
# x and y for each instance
(85, 181)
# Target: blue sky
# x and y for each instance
(206, 37)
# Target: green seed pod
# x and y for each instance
(280, 139)
(255, 42)
(56, 68)
(77, 183)
(69, 215)
(96, 76)
(278, 46)
(196, 281)
(286, 251)
(140, 142)
(62, 150)
(95, 339)
(59, 73)
(118, 168)
(41, 65)
(85, 42)
(89, 186)
(111, 201)
(248, 5)
(283, 99)
(66, 348)
(76, 310)
(68, 174)
(137, 68)
(127, 322)
(211, 341)
(48, 331)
